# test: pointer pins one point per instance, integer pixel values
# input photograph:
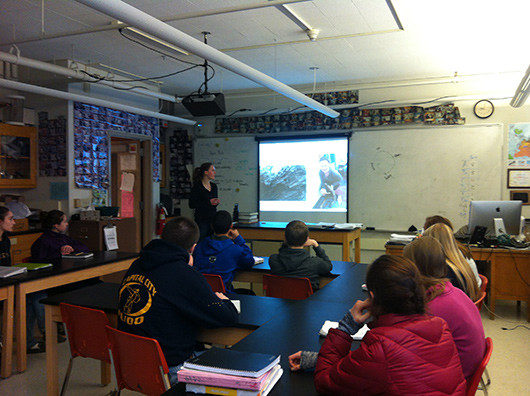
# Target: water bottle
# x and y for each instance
(235, 215)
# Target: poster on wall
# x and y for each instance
(519, 145)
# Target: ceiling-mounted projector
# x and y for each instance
(207, 104)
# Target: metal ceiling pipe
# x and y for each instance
(19, 86)
(64, 71)
(139, 19)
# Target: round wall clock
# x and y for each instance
(483, 108)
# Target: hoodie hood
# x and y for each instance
(290, 258)
(159, 252)
(213, 246)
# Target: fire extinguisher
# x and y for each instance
(160, 219)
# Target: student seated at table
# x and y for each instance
(448, 302)
(163, 297)
(54, 243)
(49, 247)
(294, 261)
(464, 249)
(224, 251)
(459, 271)
(34, 310)
(406, 352)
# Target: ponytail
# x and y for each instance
(198, 172)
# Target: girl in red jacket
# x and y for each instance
(406, 352)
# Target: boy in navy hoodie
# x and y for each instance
(163, 297)
(224, 251)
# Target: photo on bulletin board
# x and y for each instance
(518, 178)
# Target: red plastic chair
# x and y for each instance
(483, 287)
(216, 282)
(139, 363)
(285, 287)
(86, 334)
(476, 379)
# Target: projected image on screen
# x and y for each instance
(287, 183)
(303, 175)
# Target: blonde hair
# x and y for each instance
(428, 255)
(455, 259)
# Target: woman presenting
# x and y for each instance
(203, 197)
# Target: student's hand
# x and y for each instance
(221, 296)
(66, 249)
(294, 361)
(323, 191)
(311, 242)
(215, 201)
(359, 307)
(233, 233)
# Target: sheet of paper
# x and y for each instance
(237, 304)
(127, 181)
(127, 162)
(111, 237)
(127, 204)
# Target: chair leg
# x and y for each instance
(488, 380)
(67, 376)
(483, 387)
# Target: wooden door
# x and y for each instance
(127, 182)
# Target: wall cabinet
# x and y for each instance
(18, 156)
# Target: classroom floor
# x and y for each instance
(508, 368)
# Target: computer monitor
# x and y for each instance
(482, 213)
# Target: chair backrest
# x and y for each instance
(478, 303)
(285, 287)
(484, 282)
(139, 363)
(86, 331)
(216, 282)
(473, 382)
(483, 287)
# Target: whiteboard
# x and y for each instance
(236, 162)
(399, 177)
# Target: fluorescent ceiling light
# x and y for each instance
(522, 92)
(149, 40)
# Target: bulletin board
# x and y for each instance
(398, 176)
(236, 162)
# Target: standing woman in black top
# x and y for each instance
(203, 197)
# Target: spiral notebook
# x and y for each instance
(232, 362)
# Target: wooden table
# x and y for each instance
(255, 311)
(275, 231)
(63, 273)
(509, 277)
(7, 296)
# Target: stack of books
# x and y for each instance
(248, 217)
(229, 372)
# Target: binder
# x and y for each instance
(232, 362)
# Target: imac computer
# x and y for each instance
(483, 213)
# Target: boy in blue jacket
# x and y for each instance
(224, 251)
